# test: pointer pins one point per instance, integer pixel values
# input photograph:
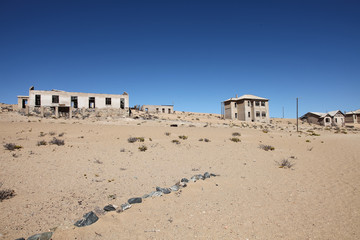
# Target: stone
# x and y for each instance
(184, 180)
(41, 236)
(163, 190)
(135, 200)
(109, 208)
(174, 188)
(88, 219)
(99, 211)
(125, 206)
(206, 175)
(20, 239)
(173, 125)
(155, 194)
(213, 175)
(197, 177)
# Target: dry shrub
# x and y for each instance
(6, 194)
(236, 134)
(267, 147)
(285, 163)
(42, 143)
(12, 146)
(235, 139)
(58, 142)
(143, 148)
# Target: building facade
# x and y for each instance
(333, 118)
(352, 117)
(248, 108)
(72, 100)
(158, 108)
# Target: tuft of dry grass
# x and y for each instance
(236, 134)
(6, 194)
(235, 139)
(11, 146)
(41, 143)
(267, 147)
(175, 141)
(167, 134)
(56, 141)
(285, 163)
(142, 148)
(183, 137)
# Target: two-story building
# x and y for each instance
(246, 108)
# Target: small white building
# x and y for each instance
(72, 100)
(158, 108)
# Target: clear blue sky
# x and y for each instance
(193, 54)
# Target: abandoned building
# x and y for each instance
(64, 102)
(246, 108)
(333, 118)
(158, 108)
(352, 116)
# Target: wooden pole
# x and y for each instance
(297, 114)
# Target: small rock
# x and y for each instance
(135, 200)
(88, 219)
(145, 195)
(20, 239)
(109, 208)
(163, 190)
(173, 125)
(41, 236)
(213, 175)
(124, 207)
(156, 194)
(99, 211)
(184, 180)
(206, 175)
(197, 177)
(174, 188)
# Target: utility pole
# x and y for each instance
(283, 112)
(297, 114)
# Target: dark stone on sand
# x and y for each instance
(163, 190)
(173, 125)
(184, 180)
(213, 175)
(206, 175)
(20, 239)
(109, 208)
(135, 200)
(41, 236)
(88, 219)
(174, 188)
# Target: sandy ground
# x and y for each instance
(318, 198)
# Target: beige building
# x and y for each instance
(246, 108)
(352, 117)
(72, 100)
(158, 108)
(333, 118)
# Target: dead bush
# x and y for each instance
(143, 148)
(42, 143)
(236, 134)
(267, 147)
(285, 163)
(12, 146)
(235, 139)
(6, 194)
(56, 141)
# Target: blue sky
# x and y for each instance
(193, 54)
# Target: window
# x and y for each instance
(235, 104)
(163, 110)
(257, 114)
(248, 114)
(257, 103)
(107, 101)
(169, 110)
(235, 115)
(91, 102)
(263, 114)
(336, 120)
(122, 103)
(157, 109)
(37, 100)
(74, 101)
(327, 120)
(263, 104)
(249, 104)
(55, 98)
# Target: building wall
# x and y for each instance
(158, 108)
(83, 99)
(243, 107)
(338, 119)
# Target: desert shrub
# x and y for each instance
(265, 131)
(167, 134)
(142, 148)
(235, 139)
(132, 139)
(285, 163)
(141, 139)
(307, 140)
(175, 141)
(61, 134)
(183, 137)
(267, 147)
(41, 143)
(314, 134)
(235, 134)
(122, 150)
(207, 140)
(52, 133)
(201, 139)
(42, 134)
(12, 146)
(6, 194)
(56, 141)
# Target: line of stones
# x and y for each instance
(90, 217)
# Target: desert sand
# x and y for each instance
(253, 198)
